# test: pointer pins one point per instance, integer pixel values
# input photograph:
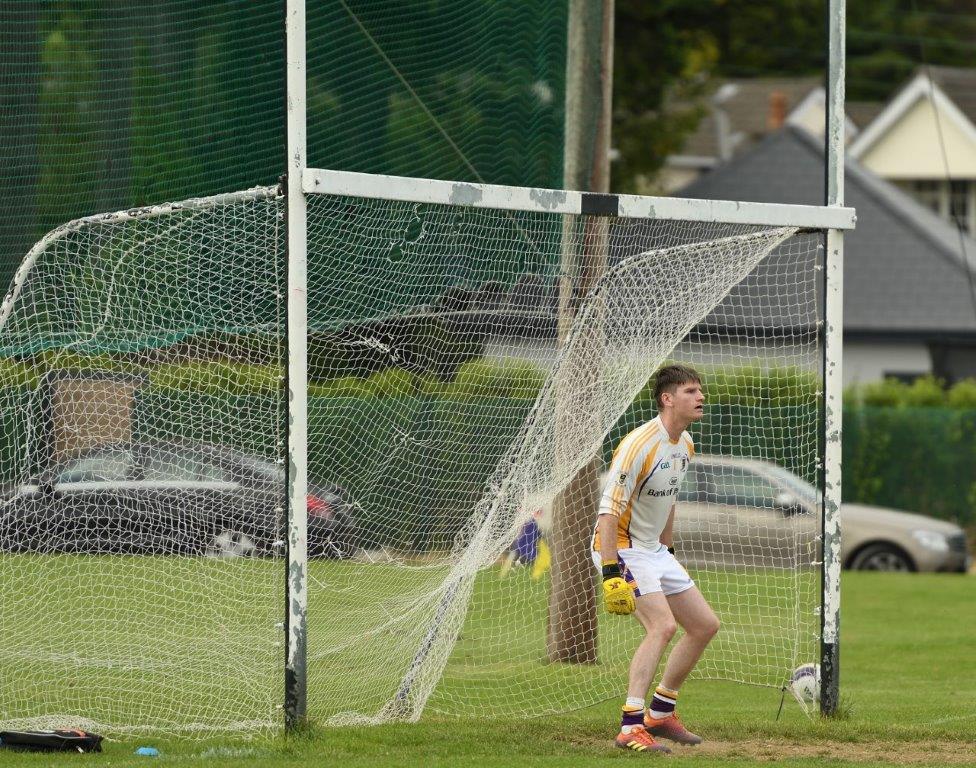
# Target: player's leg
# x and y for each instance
(698, 620)
(655, 617)
(693, 613)
(654, 614)
(659, 627)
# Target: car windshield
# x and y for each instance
(796, 485)
(112, 464)
(161, 463)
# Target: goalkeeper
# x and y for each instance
(632, 548)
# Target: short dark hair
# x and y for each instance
(670, 377)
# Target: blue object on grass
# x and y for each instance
(147, 751)
(526, 544)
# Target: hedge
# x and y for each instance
(916, 459)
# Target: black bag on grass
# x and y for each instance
(51, 741)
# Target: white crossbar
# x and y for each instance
(324, 182)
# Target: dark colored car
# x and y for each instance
(169, 498)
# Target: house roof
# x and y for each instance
(861, 113)
(958, 84)
(748, 111)
(953, 90)
(905, 271)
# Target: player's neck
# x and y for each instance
(673, 425)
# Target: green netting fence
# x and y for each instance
(108, 105)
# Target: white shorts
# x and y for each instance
(650, 571)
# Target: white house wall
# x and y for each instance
(865, 362)
(911, 149)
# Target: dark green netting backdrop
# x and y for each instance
(109, 104)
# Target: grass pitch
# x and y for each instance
(909, 697)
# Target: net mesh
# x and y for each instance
(141, 441)
(472, 442)
(470, 371)
(111, 105)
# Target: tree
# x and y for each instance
(664, 54)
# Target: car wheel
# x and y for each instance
(882, 557)
(231, 543)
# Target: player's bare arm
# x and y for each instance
(607, 528)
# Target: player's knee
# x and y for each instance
(705, 629)
(712, 627)
(665, 629)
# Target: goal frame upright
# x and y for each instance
(833, 343)
(832, 219)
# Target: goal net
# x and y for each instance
(470, 369)
(142, 430)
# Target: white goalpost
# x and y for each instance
(396, 398)
(147, 430)
(449, 476)
(579, 402)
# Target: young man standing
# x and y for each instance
(632, 548)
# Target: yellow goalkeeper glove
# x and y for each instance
(618, 595)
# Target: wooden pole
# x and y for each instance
(572, 634)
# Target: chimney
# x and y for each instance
(777, 111)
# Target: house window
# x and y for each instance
(954, 201)
(960, 204)
(929, 194)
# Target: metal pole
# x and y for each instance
(296, 581)
(833, 370)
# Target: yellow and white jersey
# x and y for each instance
(642, 484)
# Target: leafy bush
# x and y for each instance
(925, 392)
(889, 393)
(917, 459)
(16, 374)
(962, 395)
(215, 377)
(751, 386)
(346, 387)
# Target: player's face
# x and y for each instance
(688, 402)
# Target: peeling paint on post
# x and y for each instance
(465, 194)
(831, 533)
(296, 587)
(549, 199)
(833, 366)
